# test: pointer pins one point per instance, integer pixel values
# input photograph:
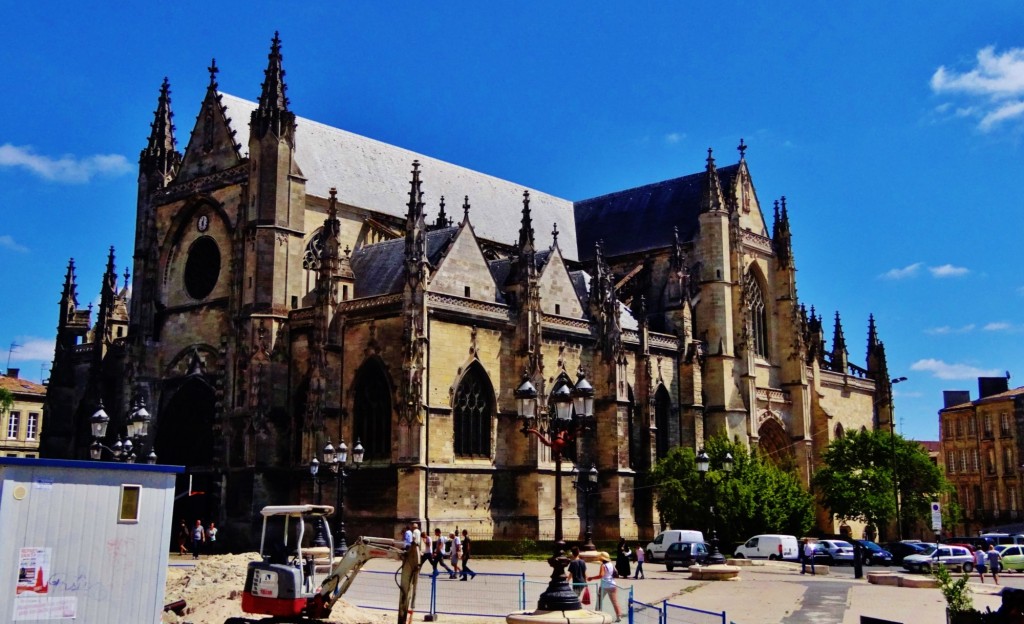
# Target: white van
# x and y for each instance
(767, 547)
(1003, 538)
(655, 551)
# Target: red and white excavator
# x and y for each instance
(286, 585)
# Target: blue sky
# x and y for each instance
(894, 130)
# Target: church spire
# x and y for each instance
(69, 296)
(442, 218)
(415, 227)
(526, 228)
(159, 156)
(711, 199)
(782, 237)
(839, 353)
(272, 114)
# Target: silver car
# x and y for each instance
(950, 556)
(838, 551)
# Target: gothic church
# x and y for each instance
(295, 284)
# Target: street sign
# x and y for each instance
(936, 516)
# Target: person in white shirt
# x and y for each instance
(456, 551)
(440, 551)
(608, 586)
(808, 557)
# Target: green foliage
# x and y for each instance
(757, 497)
(523, 546)
(859, 472)
(957, 592)
(6, 400)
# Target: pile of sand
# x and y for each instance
(212, 591)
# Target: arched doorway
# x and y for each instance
(372, 405)
(774, 443)
(184, 437)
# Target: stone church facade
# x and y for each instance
(294, 283)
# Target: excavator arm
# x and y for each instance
(345, 570)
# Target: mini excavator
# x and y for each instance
(284, 585)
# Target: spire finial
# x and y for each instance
(526, 226)
(554, 236)
(711, 194)
(442, 217)
(213, 69)
(465, 209)
(742, 149)
(159, 155)
(126, 276)
(710, 160)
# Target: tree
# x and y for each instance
(860, 472)
(6, 401)
(757, 497)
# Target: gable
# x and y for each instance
(464, 267)
(557, 288)
(211, 146)
(742, 195)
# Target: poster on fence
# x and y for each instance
(33, 570)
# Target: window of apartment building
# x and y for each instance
(951, 461)
(1004, 424)
(13, 423)
(965, 497)
(974, 460)
(994, 496)
(988, 425)
(1013, 499)
(990, 461)
(963, 460)
(1007, 460)
(32, 426)
(972, 426)
(959, 428)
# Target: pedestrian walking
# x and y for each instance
(211, 539)
(995, 563)
(622, 558)
(466, 551)
(980, 559)
(608, 586)
(182, 538)
(407, 535)
(576, 573)
(427, 552)
(440, 552)
(639, 574)
(416, 533)
(808, 557)
(455, 546)
(198, 538)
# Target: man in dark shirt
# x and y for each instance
(466, 572)
(577, 571)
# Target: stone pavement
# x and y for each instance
(776, 593)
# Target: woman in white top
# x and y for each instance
(608, 587)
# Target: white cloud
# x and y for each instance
(67, 168)
(674, 137)
(994, 86)
(7, 242)
(904, 273)
(948, 270)
(946, 329)
(32, 349)
(997, 326)
(941, 370)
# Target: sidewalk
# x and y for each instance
(776, 593)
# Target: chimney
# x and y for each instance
(987, 386)
(13, 372)
(955, 397)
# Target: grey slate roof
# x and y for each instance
(642, 218)
(375, 176)
(380, 268)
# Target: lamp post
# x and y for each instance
(703, 464)
(335, 460)
(895, 464)
(571, 416)
(138, 430)
(588, 485)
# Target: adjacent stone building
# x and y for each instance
(22, 424)
(981, 452)
(294, 283)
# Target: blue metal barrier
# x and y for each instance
(643, 613)
(678, 614)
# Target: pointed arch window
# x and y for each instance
(839, 431)
(314, 251)
(373, 410)
(662, 410)
(473, 413)
(758, 315)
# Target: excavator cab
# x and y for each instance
(293, 583)
(286, 579)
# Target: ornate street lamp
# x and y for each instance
(587, 485)
(570, 414)
(336, 459)
(703, 464)
(895, 465)
(138, 430)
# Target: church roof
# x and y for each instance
(380, 268)
(643, 218)
(374, 176)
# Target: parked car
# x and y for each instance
(685, 554)
(900, 550)
(974, 542)
(1003, 538)
(838, 551)
(821, 554)
(1013, 557)
(952, 556)
(768, 547)
(655, 550)
(873, 554)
